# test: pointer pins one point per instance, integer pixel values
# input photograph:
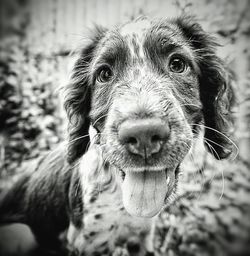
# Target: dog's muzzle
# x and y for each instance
(145, 190)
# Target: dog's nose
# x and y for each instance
(144, 137)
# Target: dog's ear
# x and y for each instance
(78, 97)
(216, 92)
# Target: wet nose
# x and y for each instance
(144, 137)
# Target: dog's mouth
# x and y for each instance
(144, 192)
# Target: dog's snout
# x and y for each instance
(143, 137)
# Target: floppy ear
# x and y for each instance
(78, 98)
(216, 91)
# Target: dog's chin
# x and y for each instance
(145, 191)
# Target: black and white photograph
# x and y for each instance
(124, 128)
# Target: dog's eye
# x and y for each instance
(104, 75)
(177, 65)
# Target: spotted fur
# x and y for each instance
(78, 193)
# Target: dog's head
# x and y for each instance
(148, 87)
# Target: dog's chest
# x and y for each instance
(107, 224)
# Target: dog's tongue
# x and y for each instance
(144, 192)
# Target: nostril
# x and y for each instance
(133, 145)
(155, 138)
(131, 140)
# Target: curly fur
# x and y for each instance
(214, 82)
(215, 88)
(78, 98)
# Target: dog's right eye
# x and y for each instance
(177, 65)
(104, 75)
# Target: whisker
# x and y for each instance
(219, 145)
(76, 164)
(212, 149)
(210, 128)
(195, 173)
(78, 138)
(99, 119)
(222, 174)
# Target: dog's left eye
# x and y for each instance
(177, 65)
(104, 75)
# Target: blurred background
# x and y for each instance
(211, 215)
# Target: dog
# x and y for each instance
(148, 88)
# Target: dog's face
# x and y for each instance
(147, 87)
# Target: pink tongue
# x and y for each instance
(144, 192)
